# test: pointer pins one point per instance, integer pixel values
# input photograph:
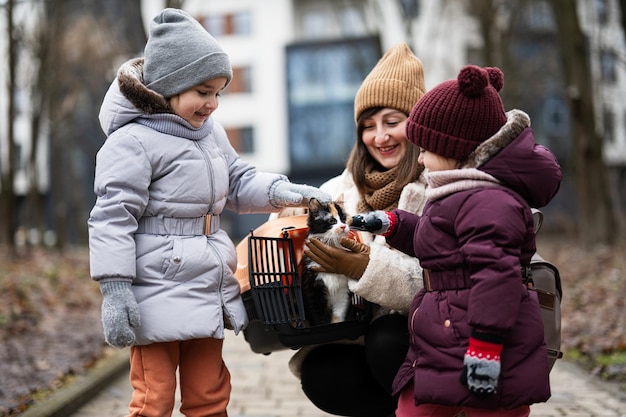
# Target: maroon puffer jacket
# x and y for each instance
(474, 242)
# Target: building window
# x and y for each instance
(242, 23)
(602, 11)
(608, 120)
(555, 117)
(352, 22)
(329, 19)
(608, 62)
(410, 8)
(239, 23)
(539, 16)
(242, 139)
(241, 82)
(314, 24)
(322, 80)
(214, 24)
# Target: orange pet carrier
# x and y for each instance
(269, 270)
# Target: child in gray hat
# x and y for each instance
(163, 177)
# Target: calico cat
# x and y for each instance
(326, 296)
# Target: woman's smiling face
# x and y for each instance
(384, 136)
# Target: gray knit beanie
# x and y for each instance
(180, 53)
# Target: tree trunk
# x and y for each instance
(622, 14)
(596, 216)
(6, 174)
(85, 40)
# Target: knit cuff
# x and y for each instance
(393, 222)
(484, 350)
(114, 285)
(487, 336)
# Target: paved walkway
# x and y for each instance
(264, 387)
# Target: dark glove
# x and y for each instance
(351, 262)
(481, 366)
(120, 313)
(286, 194)
(378, 222)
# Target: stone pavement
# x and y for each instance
(264, 387)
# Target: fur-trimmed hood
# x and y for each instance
(128, 98)
(516, 122)
(517, 162)
(130, 80)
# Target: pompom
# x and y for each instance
(472, 80)
(496, 77)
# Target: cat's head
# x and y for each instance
(327, 221)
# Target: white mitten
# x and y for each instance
(287, 194)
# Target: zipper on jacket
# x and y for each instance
(413, 316)
(209, 166)
(410, 331)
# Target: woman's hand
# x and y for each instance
(351, 262)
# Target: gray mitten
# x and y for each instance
(287, 194)
(481, 366)
(120, 312)
(378, 222)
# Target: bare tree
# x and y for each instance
(485, 11)
(597, 221)
(75, 48)
(86, 42)
(7, 206)
(622, 10)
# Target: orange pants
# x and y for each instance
(204, 378)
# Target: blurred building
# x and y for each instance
(602, 25)
(298, 64)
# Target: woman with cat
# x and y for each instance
(354, 378)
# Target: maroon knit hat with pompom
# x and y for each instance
(453, 118)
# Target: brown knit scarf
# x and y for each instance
(383, 190)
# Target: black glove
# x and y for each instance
(378, 222)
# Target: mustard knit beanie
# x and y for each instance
(397, 82)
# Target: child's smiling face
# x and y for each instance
(199, 102)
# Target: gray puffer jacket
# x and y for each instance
(156, 176)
